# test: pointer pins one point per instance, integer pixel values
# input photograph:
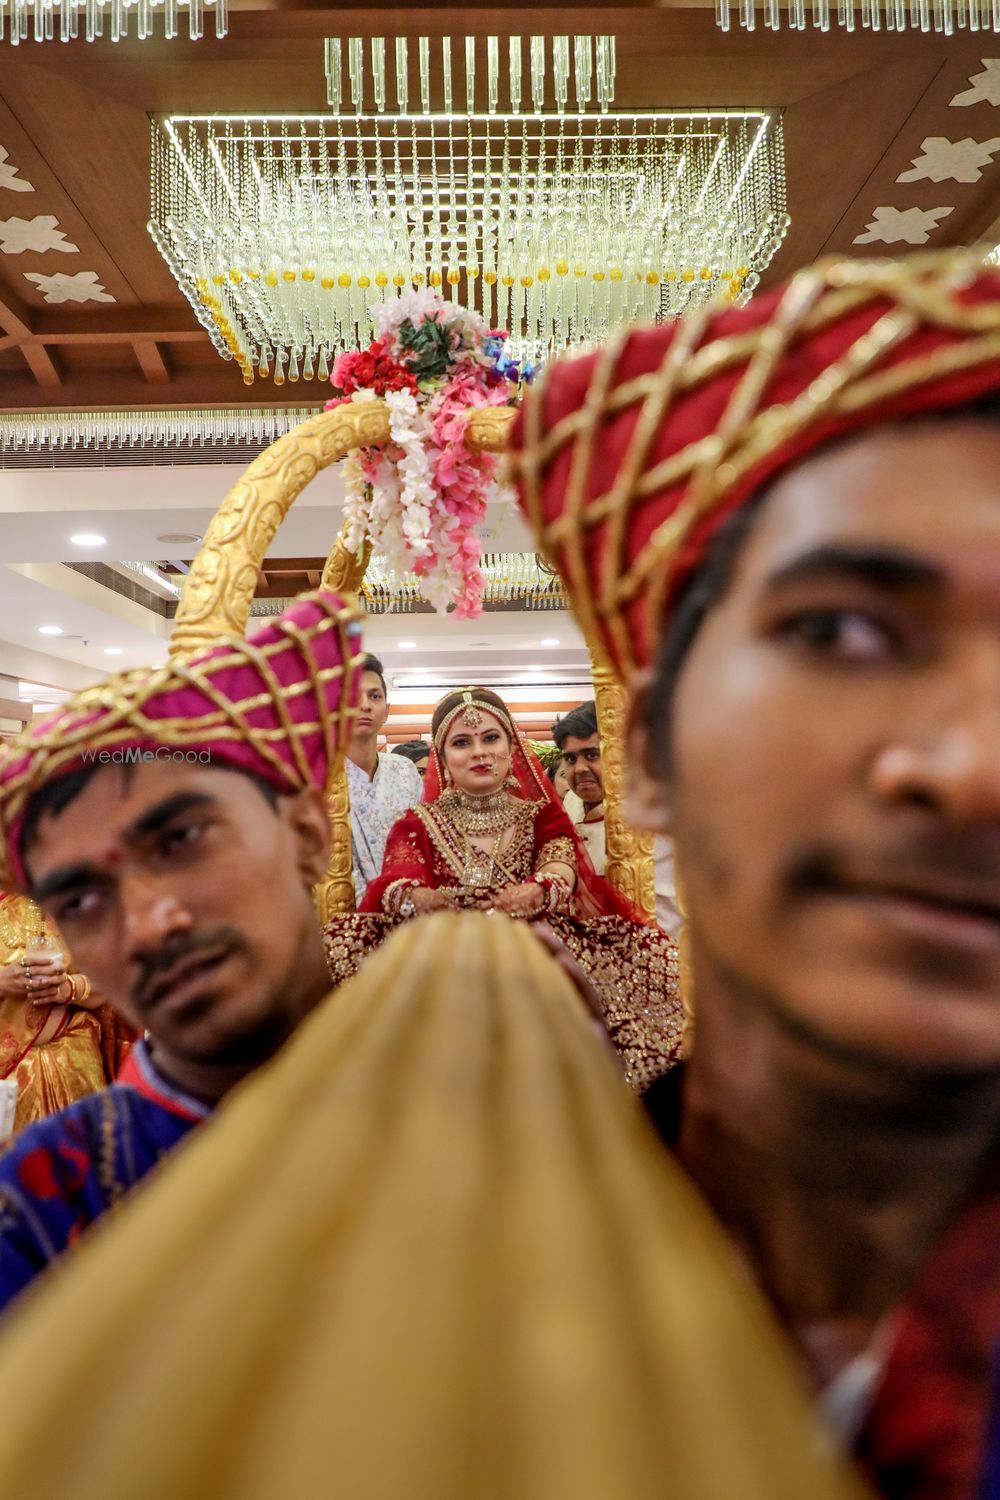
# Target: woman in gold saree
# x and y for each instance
(57, 1039)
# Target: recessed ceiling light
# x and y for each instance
(550, 641)
(536, 669)
(88, 539)
(407, 645)
(50, 630)
(179, 536)
(112, 650)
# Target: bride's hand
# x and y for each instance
(425, 899)
(525, 900)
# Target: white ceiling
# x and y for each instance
(40, 509)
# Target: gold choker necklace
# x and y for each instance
(491, 813)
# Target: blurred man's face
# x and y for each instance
(835, 784)
(582, 760)
(373, 709)
(185, 897)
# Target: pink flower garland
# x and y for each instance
(422, 498)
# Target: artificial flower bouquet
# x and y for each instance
(422, 498)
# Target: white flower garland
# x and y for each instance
(391, 498)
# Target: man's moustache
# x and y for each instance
(155, 966)
(960, 865)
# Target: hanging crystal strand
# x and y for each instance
(452, 253)
(402, 74)
(196, 19)
(418, 264)
(514, 81)
(845, 14)
(492, 73)
(145, 19)
(583, 69)
(68, 23)
(324, 367)
(333, 60)
(537, 55)
(435, 254)
(424, 48)
(400, 255)
(560, 70)
(486, 255)
(221, 18)
(356, 72)
(378, 72)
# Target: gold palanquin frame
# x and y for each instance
(219, 590)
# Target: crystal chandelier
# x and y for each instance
(97, 18)
(943, 16)
(514, 581)
(556, 220)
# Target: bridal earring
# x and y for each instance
(447, 776)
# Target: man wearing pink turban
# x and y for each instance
(172, 823)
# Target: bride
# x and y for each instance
(491, 834)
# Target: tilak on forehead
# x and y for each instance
(275, 706)
(628, 460)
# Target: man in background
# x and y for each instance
(579, 738)
(579, 742)
(417, 751)
(381, 786)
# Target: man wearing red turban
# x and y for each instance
(782, 523)
(141, 818)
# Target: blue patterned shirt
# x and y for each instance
(65, 1172)
(375, 806)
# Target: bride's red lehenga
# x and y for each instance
(632, 965)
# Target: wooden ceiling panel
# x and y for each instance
(75, 120)
(97, 150)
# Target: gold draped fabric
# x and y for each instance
(55, 1052)
(432, 1252)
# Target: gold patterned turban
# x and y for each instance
(629, 459)
(275, 706)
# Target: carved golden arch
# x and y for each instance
(219, 590)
